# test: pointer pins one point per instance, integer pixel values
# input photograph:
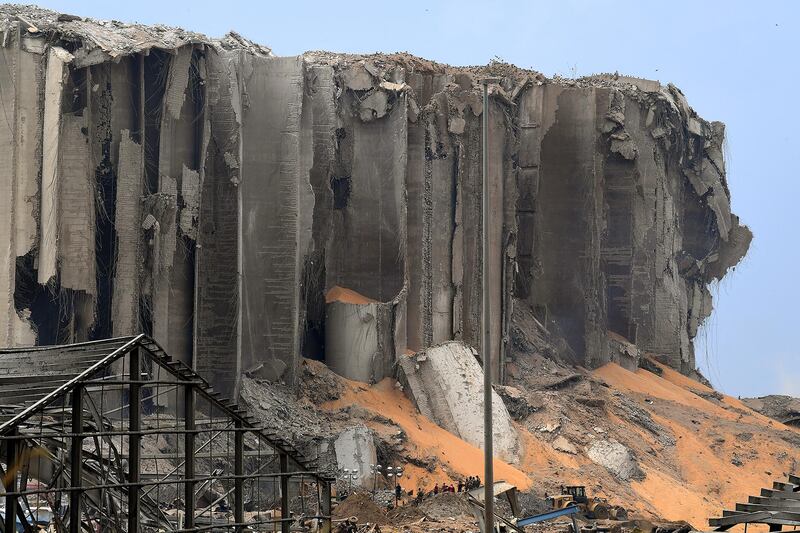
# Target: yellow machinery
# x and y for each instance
(594, 508)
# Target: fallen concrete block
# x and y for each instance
(616, 458)
(355, 451)
(447, 381)
(358, 336)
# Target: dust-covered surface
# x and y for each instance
(632, 437)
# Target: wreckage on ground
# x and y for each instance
(115, 435)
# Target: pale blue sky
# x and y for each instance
(736, 61)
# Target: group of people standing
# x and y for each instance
(472, 482)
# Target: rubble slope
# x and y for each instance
(654, 441)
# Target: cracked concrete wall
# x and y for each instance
(57, 60)
(178, 161)
(20, 135)
(636, 231)
(444, 206)
(567, 282)
(368, 215)
(129, 187)
(217, 316)
(217, 193)
(76, 216)
(355, 450)
(271, 206)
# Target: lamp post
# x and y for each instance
(348, 475)
(486, 337)
(376, 470)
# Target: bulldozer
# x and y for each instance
(593, 508)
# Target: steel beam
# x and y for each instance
(76, 461)
(188, 455)
(134, 438)
(486, 331)
(284, 466)
(550, 515)
(783, 495)
(10, 519)
(238, 470)
(325, 504)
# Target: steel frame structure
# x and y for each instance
(776, 507)
(114, 435)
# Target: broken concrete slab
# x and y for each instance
(57, 60)
(190, 194)
(17, 161)
(76, 215)
(177, 81)
(28, 126)
(351, 341)
(125, 313)
(355, 451)
(616, 458)
(361, 336)
(561, 444)
(216, 335)
(356, 78)
(449, 380)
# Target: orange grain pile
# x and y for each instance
(707, 440)
(425, 438)
(347, 296)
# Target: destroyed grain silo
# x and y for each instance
(250, 212)
(211, 194)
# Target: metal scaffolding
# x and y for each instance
(114, 435)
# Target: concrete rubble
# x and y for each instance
(445, 382)
(212, 194)
(784, 409)
(617, 458)
(355, 451)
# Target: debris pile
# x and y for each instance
(784, 409)
(360, 506)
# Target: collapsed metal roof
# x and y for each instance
(116, 432)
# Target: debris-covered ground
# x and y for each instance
(637, 438)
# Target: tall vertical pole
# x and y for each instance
(284, 466)
(238, 471)
(10, 521)
(486, 338)
(188, 456)
(76, 461)
(325, 505)
(134, 438)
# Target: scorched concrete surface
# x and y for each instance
(210, 194)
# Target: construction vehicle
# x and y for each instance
(593, 508)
